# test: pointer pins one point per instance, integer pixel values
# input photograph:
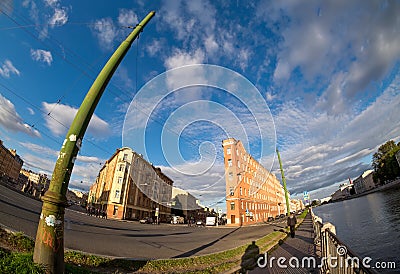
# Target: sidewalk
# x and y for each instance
(302, 245)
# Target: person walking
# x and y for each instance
(291, 222)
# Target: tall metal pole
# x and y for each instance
(284, 184)
(49, 244)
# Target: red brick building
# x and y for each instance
(252, 193)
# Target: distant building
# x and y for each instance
(33, 182)
(296, 205)
(252, 193)
(184, 203)
(129, 187)
(343, 192)
(10, 163)
(365, 182)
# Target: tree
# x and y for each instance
(384, 162)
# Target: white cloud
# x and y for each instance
(127, 18)
(122, 75)
(31, 111)
(41, 150)
(344, 45)
(52, 14)
(154, 48)
(105, 31)
(51, 3)
(63, 115)
(108, 33)
(59, 18)
(43, 158)
(209, 188)
(10, 120)
(211, 45)
(7, 69)
(319, 150)
(182, 58)
(42, 56)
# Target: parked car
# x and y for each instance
(270, 219)
(282, 216)
(277, 217)
(200, 223)
(147, 220)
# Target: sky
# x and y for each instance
(319, 80)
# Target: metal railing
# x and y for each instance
(336, 257)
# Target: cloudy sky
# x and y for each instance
(320, 80)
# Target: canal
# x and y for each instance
(369, 225)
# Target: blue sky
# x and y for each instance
(325, 75)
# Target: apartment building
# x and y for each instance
(129, 187)
(10, 163)
(364, 182)
(252, 193)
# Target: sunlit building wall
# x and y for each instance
(129, 187)
(252, 193)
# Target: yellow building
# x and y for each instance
(252, 193)
(10, 163)
(129, 187)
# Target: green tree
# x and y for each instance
(384, 162)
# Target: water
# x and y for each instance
(369, 225)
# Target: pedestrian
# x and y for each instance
(291, 222)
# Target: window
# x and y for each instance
(117, 194)
(121, 168)
(230, 176)
(231, 191)
(228, 151)
(125, 157)
(120, 180)
(233, 206)
(229, 162)
(115, 211)
(241, 191)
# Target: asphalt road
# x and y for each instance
(128, 239)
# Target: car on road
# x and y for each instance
(200, 223)
(270, 219)
(147, 220)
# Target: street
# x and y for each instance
(128, 239)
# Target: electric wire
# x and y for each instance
(154, 119)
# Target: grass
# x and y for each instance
(18, 263)
(80, 263)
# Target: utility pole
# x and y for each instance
(49, 244)
(284, 184)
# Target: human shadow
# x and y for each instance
(249, 258)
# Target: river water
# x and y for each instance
(368, 225)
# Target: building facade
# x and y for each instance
(10, 163)
(365, 182)
(129, 187)
(252, 193)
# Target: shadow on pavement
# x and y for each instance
(195, 250)
(249, 258)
